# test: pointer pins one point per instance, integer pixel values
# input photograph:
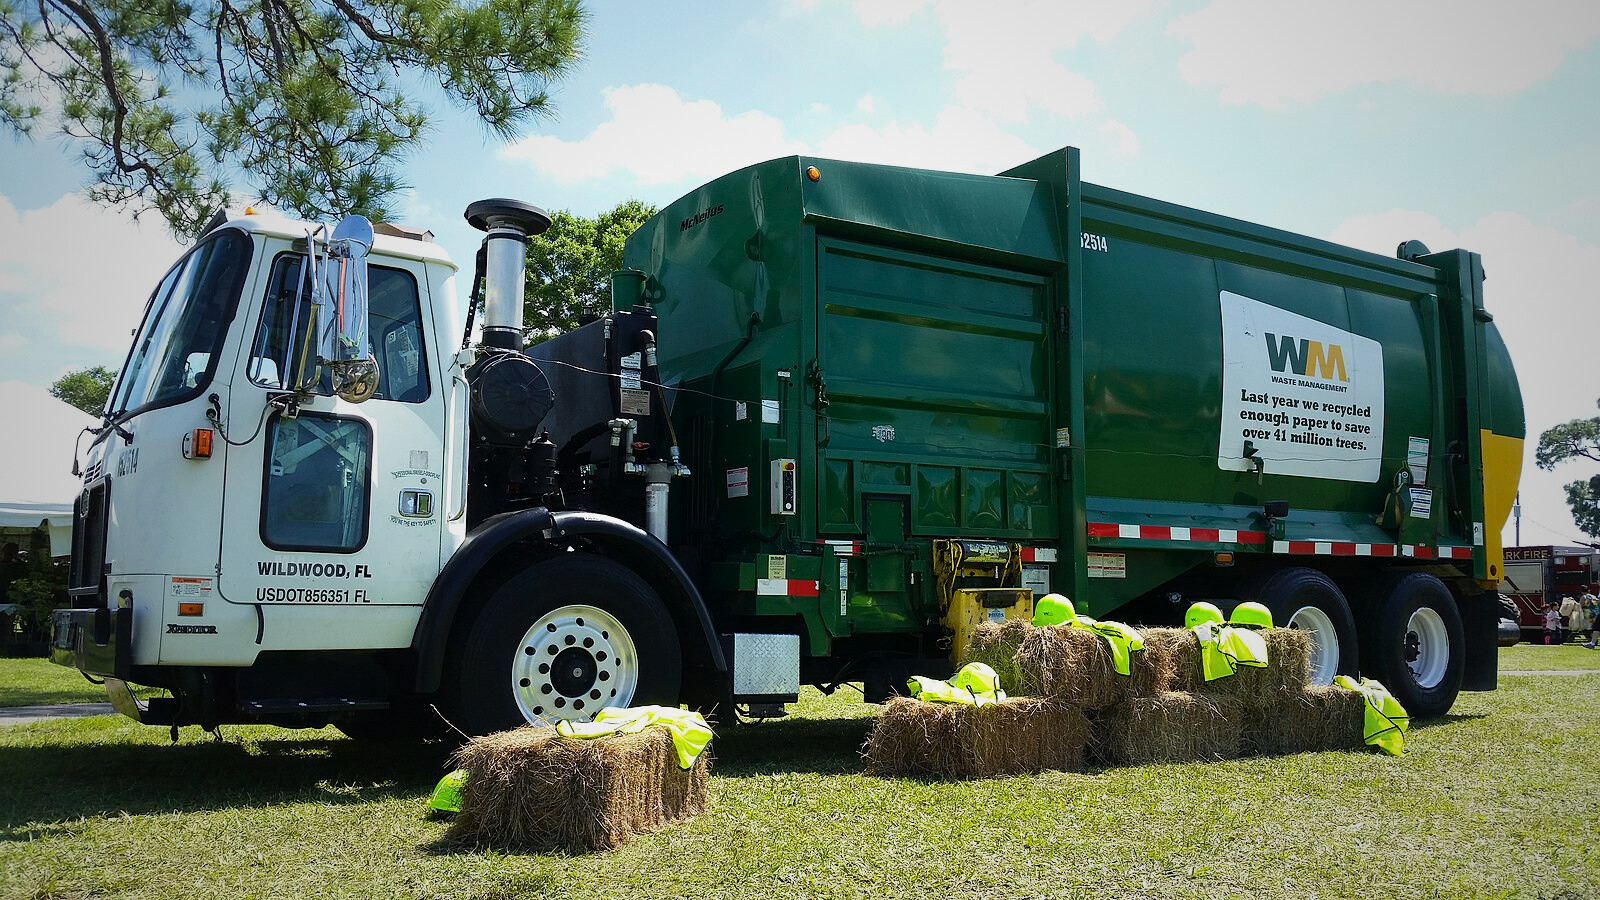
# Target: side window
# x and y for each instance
(395, 326)
(175, 353)
(396, 330)
(319, 470)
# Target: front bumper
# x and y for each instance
(95, 641)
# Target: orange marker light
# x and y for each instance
(197, 444)
(813, 173)
(1222, 558)
(191, 609)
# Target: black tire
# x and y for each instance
(604, 639)
(1305, 598)
(1416, 612)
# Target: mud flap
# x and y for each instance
(1480, 628)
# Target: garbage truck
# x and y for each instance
(839, 416)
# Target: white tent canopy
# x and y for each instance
(36, 481)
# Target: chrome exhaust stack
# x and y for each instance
(507, 225)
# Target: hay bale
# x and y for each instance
(1287, 670)
(1018, 736)
(995, 644)
(1320, 717)
(530, 788)
(1070, 664)
(1170, 661)
(1168, 727)
(1055, 661)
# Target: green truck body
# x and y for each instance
(1119, 385)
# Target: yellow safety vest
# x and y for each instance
(976, 684)
(1386, 720)
(1224, 648)
(690, 733)
(1123, 640)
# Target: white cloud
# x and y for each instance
(867, 104)
(657, 137)
(74, 276)
(960, 140)
(1539, 288)
(708, 143)
(1125, 141)
(1007, 52)
(1273, 53)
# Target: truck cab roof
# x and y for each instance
(386, 241)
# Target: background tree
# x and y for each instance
(570, 266)
(1577, 439)
(168, 99)
(87, 389)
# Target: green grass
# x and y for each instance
(35, 682)
(1540, 658)
(1495, 800)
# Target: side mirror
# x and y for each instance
(340, 283)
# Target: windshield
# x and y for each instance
(186, 319)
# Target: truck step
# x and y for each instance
(318, 704)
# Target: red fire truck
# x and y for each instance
(1537, 575)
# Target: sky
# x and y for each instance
(1461, 124)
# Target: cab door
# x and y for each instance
(332, 527)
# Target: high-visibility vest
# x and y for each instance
(690, 733)
(1122, 639)
(1386, 720)
(976, 684)
(1224, 648)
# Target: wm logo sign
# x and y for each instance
(1310, 358)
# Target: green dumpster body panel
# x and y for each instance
(1029, 358)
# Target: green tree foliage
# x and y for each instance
(570, 266)
(169, 99)
(34, 581)
(1577, 439)
(87, 389)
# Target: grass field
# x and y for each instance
(33, 682)
(1497, 799)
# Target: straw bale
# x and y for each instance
(1071, 664)
(1055, 661)
(1168, 727)
(1321, 717)
(530, 788)
(911, 738)
(1287, 670)
(995, 644)
(1170, 661)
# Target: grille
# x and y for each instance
(89, 541)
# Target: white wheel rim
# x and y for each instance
(1324, 642)
(571, 663)
(1427, 647)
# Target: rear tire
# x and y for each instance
(562, 640)
(1418, 647)
(1308, 600)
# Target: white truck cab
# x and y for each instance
(282, 487)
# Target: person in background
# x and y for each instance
(1591, 606)
(1552, 622)
(1571, 614)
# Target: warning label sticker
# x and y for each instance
(1299, 397)
(1108, 565)
(181, 586)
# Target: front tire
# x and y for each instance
(561, 640)
(1308, 600)
(1418, 645)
